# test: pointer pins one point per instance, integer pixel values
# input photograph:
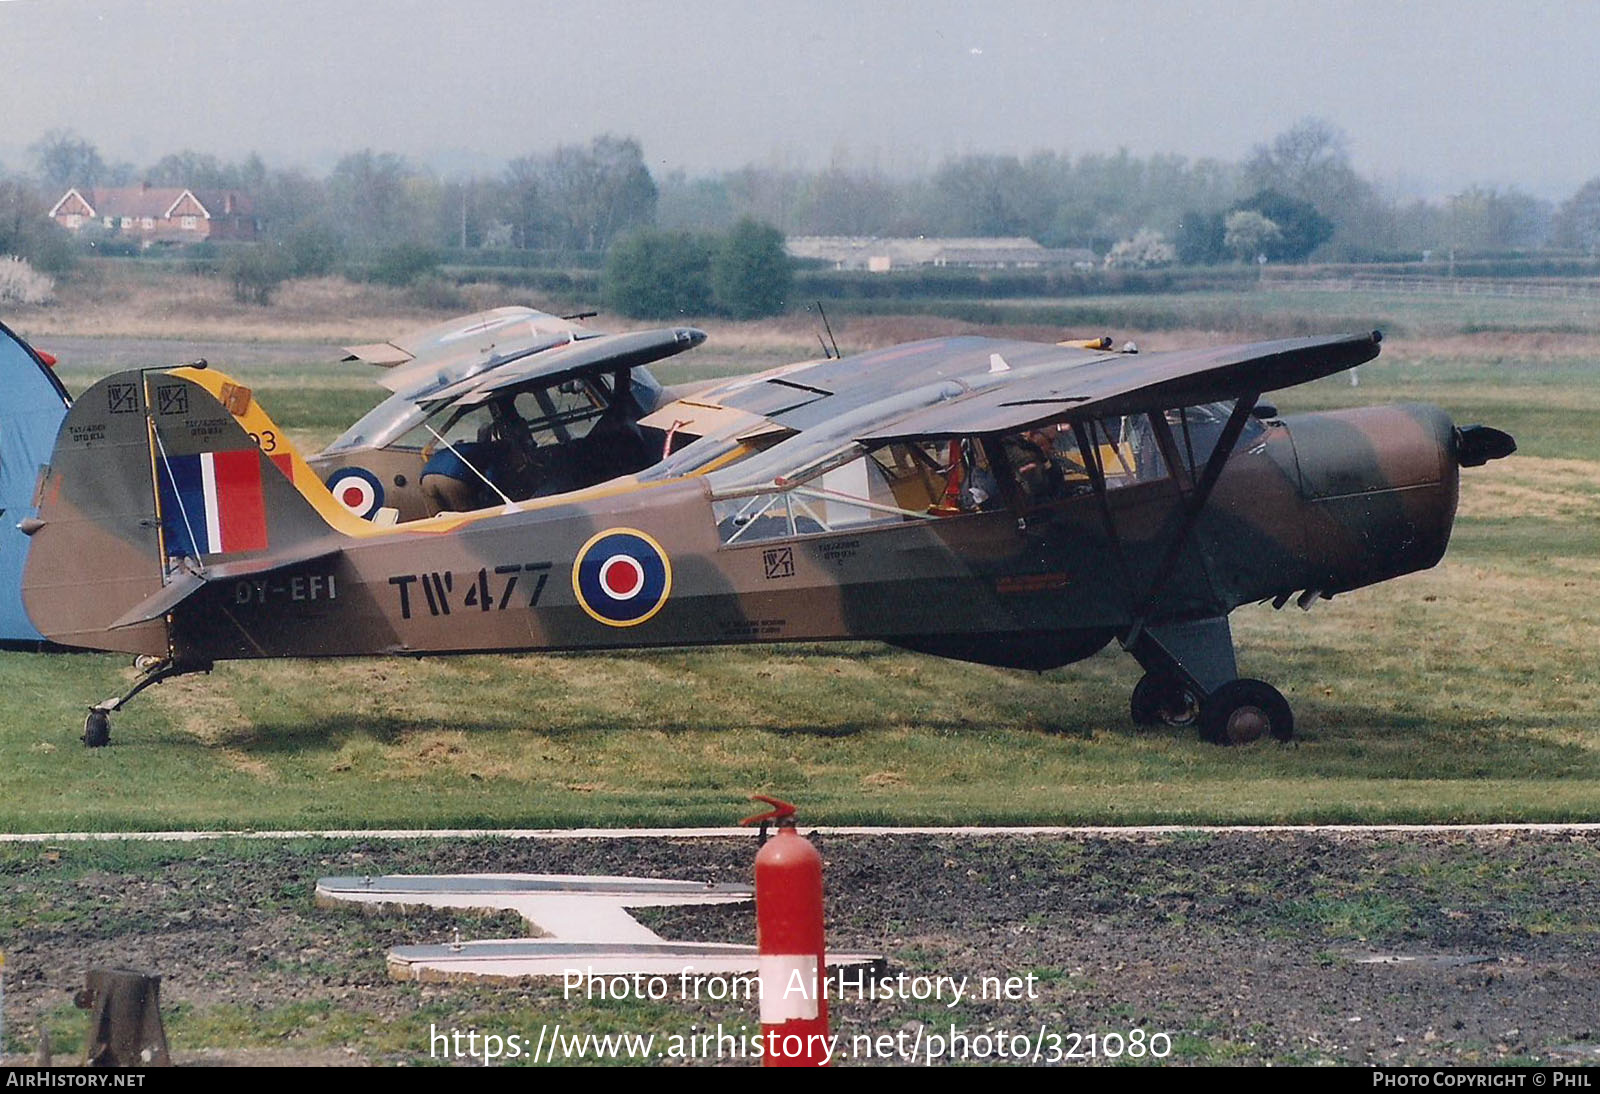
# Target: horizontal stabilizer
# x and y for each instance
(186, 584)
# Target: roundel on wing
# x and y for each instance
(622, 577)
(357, 489)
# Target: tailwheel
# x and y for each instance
(97, 728)
(1163, 698)
(1242, 711)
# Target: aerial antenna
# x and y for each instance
(829, 328)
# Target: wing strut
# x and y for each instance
(1197, 503)
(1097, 481)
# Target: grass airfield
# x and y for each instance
(1466, 693)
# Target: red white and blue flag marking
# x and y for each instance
(211, 503)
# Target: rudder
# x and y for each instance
(151, 483)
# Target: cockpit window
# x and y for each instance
(1127, 450)
(563, 413)
(551, 416)
(1196, 430)
(869, 490)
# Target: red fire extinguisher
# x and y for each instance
(794, 1007)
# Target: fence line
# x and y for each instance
(1442, 286)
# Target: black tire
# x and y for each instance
(1243, 711)
(97, 729)
(1161, 698)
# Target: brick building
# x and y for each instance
(159, 214)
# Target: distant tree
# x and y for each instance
(255, 271)
(1248, 234)
(26, 230)
(1577, 222)
(378, 199)
(1480, 219)
(987, 196)
(1525, 220)
(1144, 250)
(580, 197)
(312, 248)
(404, 264)
(750, 271)
(849, 203)
(1200, 238)
(464, 212)
(597, 192)
(20, 283)
(525, 204)
(694, 205)
(1310, 163)
(284, 199)
(251, 174)
(119, 174)
(1301, 229)
(65, 159)
(198, 170)
(651, 274)
(770, 195)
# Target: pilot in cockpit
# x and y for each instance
(454, 475)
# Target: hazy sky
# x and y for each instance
(1432, 94)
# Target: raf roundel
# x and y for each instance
(622, 577)
(357, 489)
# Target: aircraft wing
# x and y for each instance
(449, 352)
(1005, 402)
(444, 339)
(586, 356)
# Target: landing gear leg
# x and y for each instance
(97, 726)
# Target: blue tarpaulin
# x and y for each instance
(32, 405)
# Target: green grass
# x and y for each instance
(1268, 312)
(1466, 693)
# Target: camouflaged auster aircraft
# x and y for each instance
(1011, 503)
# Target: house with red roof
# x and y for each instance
(159, 214)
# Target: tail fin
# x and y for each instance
(154, 490)
(240, 401)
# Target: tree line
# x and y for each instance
(1296, 197)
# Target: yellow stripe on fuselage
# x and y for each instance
(241, 403)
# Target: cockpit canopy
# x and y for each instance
(399, 419)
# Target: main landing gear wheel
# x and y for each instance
(1161, 698)
(1242, 711)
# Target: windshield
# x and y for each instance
(398, 420)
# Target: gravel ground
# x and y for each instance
(1241, 948)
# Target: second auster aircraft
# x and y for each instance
(1011, 503)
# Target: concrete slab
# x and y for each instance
(573, 907)
(582, 923)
